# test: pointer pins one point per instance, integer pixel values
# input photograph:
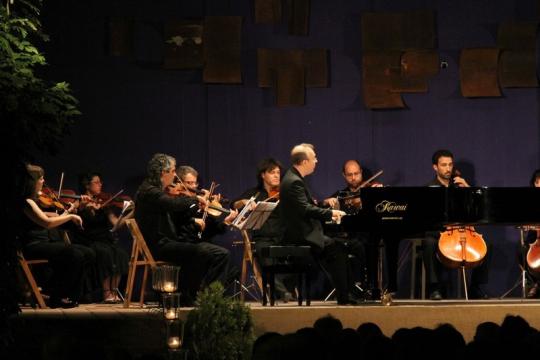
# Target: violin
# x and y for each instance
(533, 254)
(214, 206)
(351, 199)
(48, 200)
(109, 200)
(273, 195)
(461, 247)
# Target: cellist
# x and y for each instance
(447, 176)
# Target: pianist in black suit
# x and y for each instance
(301, 219)
(445, 175)
(532, 235)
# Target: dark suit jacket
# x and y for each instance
(299, 215)
(152, 212)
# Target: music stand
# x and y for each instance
(255, 219)
(522, 280)
(251, 220)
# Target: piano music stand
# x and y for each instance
(523, 278)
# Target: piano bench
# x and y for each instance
(286, 260)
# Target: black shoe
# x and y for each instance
(476, 292)
(55, 303)
(373, 295)
(435, 295)
(348, 301)
(533, 292)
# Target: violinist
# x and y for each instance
(447, 176)
(268, 177)
(68, 262)
(362, 245)
(533, 236)
(111, 259)
(153, 209)
(192, 228)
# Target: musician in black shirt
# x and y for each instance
(268, 177)
(346, 200)
(446, 175)
(192, 228)
(153, 207)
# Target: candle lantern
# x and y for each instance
(171, 305)
(175, 334)
(165, 278)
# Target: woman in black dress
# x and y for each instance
(67, 262)
(99, 220)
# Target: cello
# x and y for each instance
(533, 254)
(461, 247)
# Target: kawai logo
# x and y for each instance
(386, 206)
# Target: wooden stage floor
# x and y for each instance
(136, 323)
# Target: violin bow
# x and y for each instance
(112, 198)
(61, 184)
(371, 178)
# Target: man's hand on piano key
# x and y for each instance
(337, 215)
(331, 202)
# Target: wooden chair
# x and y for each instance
(25, 266)
(27, 271)
(140, 256)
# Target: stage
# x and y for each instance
(141, 331)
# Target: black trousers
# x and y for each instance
(69, 264)
(200, 264)
(391, 246)
(334, 261)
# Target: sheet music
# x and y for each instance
(255, 219)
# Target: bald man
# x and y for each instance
(301, 219)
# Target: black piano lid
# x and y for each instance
(424, 208)
(494, 205)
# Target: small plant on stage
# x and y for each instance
(219, 327)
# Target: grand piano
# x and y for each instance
(409, 210)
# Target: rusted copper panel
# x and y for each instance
(517, 36)
(290, 86)
(316, 67)
(298, 17)
(379, 71)
(409, 85)
(269, 60)
(398, 31)
(222, 45)
(267, 11)
(517, 64)
(518, 69)
(478, 72)
(183, 45)
(120, 40)
(419, 64)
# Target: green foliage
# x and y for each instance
(33, 111)
(220, 328)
